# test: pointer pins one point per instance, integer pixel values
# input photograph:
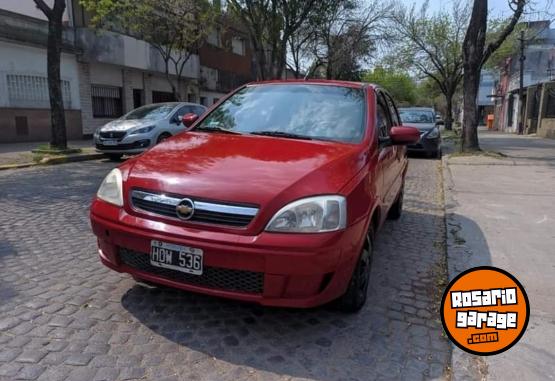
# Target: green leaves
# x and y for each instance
(401, 86)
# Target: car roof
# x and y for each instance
(417, 109)
(176, 104)
(328, 82)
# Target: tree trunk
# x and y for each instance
(449, 116)
(470, 112)
(473, 54)
(57, 116)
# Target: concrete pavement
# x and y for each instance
(501, 212)
(19, 153)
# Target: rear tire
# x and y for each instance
(357, 292)
(397, 208)
(114, 156)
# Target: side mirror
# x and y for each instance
(404, 135)
(189, 119)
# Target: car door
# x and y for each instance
(400, 151)
(386, 152)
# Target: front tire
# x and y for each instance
(357, 292)
(397, 209)
(163, 136)
(114, 156)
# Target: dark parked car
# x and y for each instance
(425, 119)
(273, 197)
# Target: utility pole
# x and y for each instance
(521, 88)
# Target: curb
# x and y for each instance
(464, 366)
(54, 160)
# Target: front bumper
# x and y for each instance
(425, 145)
(288, 270)
(135, 143)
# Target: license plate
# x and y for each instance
(110, 142)
(176, 257)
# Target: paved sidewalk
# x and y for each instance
(501, 212)
(19, 153)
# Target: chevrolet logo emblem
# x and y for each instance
(185, 209)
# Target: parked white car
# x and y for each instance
(143, 128)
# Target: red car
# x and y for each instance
(273, 196)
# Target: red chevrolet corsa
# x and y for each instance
(273, 196)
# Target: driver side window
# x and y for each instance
(184, 110)
(383, 118)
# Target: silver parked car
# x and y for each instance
(143, 128)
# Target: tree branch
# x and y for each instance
(493, 46)
(43, 7)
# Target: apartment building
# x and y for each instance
(104, 74)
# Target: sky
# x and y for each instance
(498, 8)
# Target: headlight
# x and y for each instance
(311, 215)
(433, 134)
(111, 188)
(143, 130)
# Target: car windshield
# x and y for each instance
(156, 111)
(318, 112)
(417, 116)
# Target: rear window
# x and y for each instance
(316, 111)
(417, 116)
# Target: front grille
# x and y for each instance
(112, 134)
(212, 277)
(233, 215)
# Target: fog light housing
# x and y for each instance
(142, 143)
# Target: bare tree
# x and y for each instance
(54, 15)
(340, 37)
(475, 55)
(433, 44)
(271, 23)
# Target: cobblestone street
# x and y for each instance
(64, 316)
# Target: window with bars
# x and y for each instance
(32, 91)
(106, 101)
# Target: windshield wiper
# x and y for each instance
(281, 134)
(216, 129)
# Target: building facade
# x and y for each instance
(485, 95)
(536, 109)
(104, 74)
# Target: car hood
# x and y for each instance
(245, 168)
(421, 126)
(126, 125)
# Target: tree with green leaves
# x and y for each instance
(476, 52)
(432, 45)
(54, 14)
(175, 28)
(399, 84)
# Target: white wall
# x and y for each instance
(26, 60)
(28, 8)
(106, 75)
(211, 96)
(117, 49)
